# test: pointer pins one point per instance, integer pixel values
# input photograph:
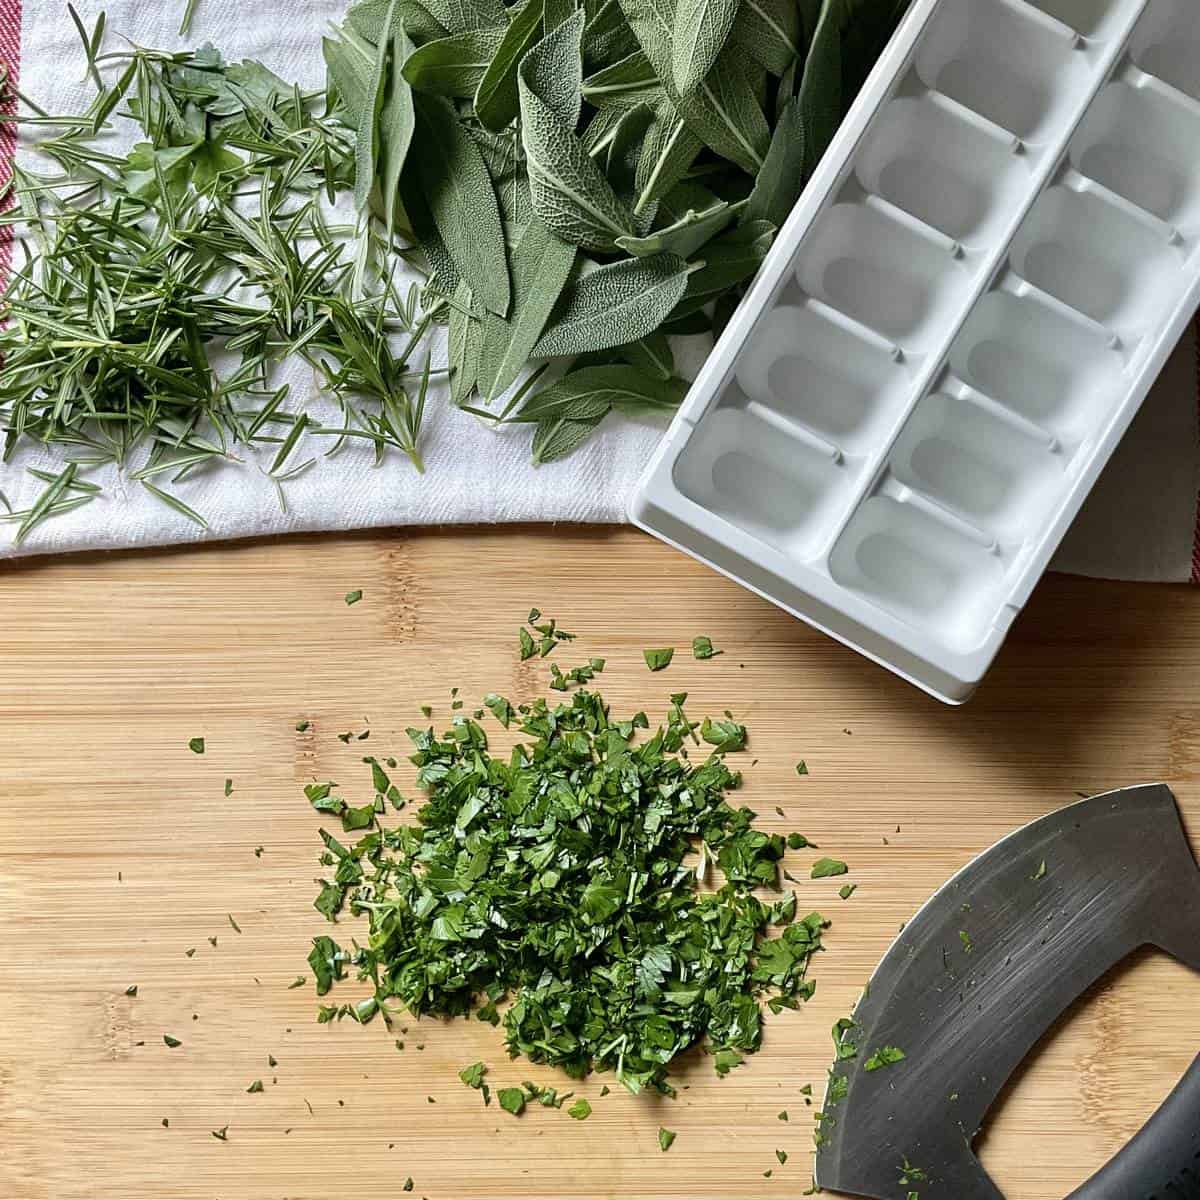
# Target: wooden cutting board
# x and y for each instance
(120, 853)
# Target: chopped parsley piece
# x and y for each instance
(1040, 873)
(302, 726)
(131, 990)
(196, 745)
(847, 890)
(783, 1116)
(256, 1086)
(796, 841)
(580, 1110)
(782, 1156)
(656, 660)
(229, 787)
(222, 1134)
(665, 1139)
(512, 1100)
(170, 1041)
(885, 1056)
(408, 1185)
(967, 945)
(353, 597)
(823, 868)
(802, 767)
(702, 648)
(473, 1075)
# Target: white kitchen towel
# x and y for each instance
(1141, 522)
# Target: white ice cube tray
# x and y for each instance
(953, 330)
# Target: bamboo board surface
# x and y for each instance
(120, 852)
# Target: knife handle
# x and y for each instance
(1162, 1160)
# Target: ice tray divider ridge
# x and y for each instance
(1077, 181)
(960, 389)
(1012, 283)
(1050, 158)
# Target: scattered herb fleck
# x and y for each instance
(512, 1100)
(222, 1134)
(256, 1086)
(172, 1042)
(196, 745)
(702, 648)
(353, 597)
(847, 890)
(885, 1056)
(802, 767)
(656, 660)
(665, 1139)
(824, 868)
(580, 1110)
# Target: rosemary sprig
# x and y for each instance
(157, 292)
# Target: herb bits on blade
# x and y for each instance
(556, 892)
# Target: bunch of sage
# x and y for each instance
(586, 177)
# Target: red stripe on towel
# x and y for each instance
(10, 59)
(1196, 535)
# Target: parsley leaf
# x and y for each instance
(656, 660)
(885, 1056)
(823, 868)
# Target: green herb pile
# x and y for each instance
(571, 183)
(557, 892)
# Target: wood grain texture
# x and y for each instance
(120, 852)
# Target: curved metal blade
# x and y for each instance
(980, 974)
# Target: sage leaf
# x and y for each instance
(350, 62)
(463, 338)
(459, 16)
(557, 437)
(454, 65)
(615, 304)
(652, 354)
(607, 35)
(668, 152)
(496, 103)
(820, 95)
(619, 153)
(769, 31)
(556, 12)
(783, 176)
(698, 37)
(541, 264)
(585, 392)
(553, 71)
(731, 258)
(687, 233)
(366, 137)
(630, 81)
(369, 20)
(462, 201)
(397, 121)
(723, 111)
(569, 192)
(444, 276)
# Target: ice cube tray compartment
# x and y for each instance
(1096, 258)
(952, 331)
(956, 175)
(897, 280)
(1141, 140)
(1166, 43)
(1004, 61)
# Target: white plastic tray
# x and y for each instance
(953, 330)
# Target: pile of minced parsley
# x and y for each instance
(558, 891)
(570, 180)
